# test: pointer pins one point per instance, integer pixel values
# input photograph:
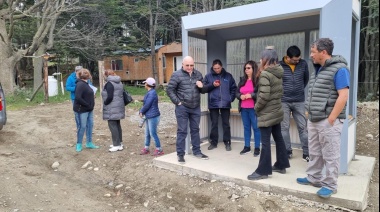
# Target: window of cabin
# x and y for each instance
(163, 61)
(136, 60)
(116, 65)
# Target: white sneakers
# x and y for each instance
(115, 148)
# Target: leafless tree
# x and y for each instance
(47, 13)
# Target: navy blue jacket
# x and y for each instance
(84, 97)
(294, 83)
(222, 96)
(150, 107)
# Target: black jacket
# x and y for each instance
(294, 83)
(182, 88)
(84, 98)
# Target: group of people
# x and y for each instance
(269, 93)
(83, 100)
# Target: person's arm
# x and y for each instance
(263, 94)
(171, 90)
(342, 85)
(306, 76)
(339, 105)
(79, 93)
(110, 90)
(237, 92)
(148, 102)
(233, 88)
(70, 84)
(208, 86)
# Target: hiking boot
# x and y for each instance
(256, 152)
(212, 146)
(181, 159)
(305, 181)
(276, 169)
(246, 150)
(201, 156)
(325, 192)
(144, 151)
(305, 158)
(228, 147)
(290, 153)
(158, 152)
(115, 148)
(255, 176)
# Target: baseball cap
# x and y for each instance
(77, 68)
(150, 81)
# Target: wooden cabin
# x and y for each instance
(135, 67)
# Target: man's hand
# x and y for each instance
(331, 120)
(199, 84)
(216, 83)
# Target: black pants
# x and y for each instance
(265, 163)
(214, 116)
(116, 132)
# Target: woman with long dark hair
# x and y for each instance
(246, 93)
(270, 114)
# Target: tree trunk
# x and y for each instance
(38, 66)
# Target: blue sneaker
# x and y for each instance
(78, 148)
(305, 181)
(325, 192)
(90, 145)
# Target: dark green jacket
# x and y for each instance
(268, 104)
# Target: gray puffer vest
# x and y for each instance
(116, 109)
(322, 93)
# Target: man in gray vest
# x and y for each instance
(294, 81)
(326, 105)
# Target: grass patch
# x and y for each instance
(21, 97)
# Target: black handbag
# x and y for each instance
(127, 98)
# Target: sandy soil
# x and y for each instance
(37, 137)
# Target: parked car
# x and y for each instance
(3, 112)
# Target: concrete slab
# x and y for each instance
(231, 166)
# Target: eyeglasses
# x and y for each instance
(247, 67)
(188, 65)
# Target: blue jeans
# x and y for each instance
(298, 112)
(184, 116)
(76, 117)
(151, 131)
(248, 116)
(86, 123)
